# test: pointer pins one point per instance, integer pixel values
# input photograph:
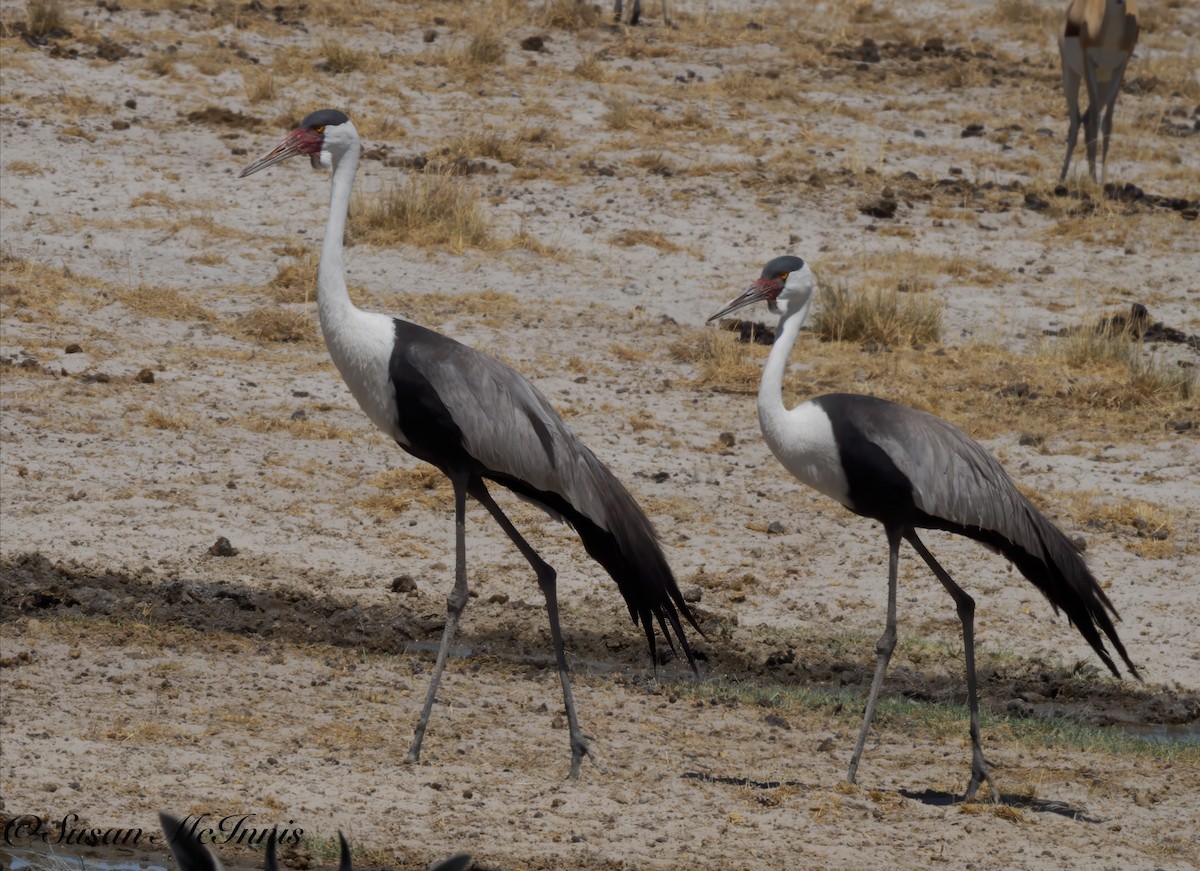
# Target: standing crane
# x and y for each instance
(477, 421)
(1096, 42)
(910, 470)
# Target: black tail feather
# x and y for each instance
(631, 554)
(1058, 570)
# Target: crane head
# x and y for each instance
(317, 136)
(785, 279)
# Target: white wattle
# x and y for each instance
(801, 438)
(360, 343)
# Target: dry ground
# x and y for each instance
(585, 206)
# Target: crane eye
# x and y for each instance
(320, 128)
(784, 277)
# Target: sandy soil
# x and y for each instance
(143, 666)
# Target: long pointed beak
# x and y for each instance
(763, 290)
(299, 142)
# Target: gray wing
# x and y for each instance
(953, 478)
(509, 428)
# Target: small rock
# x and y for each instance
(111, 51)
(120, 124)
(727, 439)
(972, 130)
(1036, 203)
(222, 547)
(882, 207)
(781, 657)
(777, 721)
(692, 594)
(533, 43)
(299, 414)
(498, 598)
(775, 528)
(429, 35)
(73, 348)
(404, 584)
(146, 376)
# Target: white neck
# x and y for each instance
(771, 410)
(801, 438)
(333, 300)
(360, 343)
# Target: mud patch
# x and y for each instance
(1027, 689)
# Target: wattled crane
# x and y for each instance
(910, 470)
(478, 421)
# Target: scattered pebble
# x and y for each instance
(222, 547)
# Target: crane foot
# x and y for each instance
(580, 748)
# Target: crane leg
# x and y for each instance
(1106, 128)
(1071, 91)
(1091, 121)
(883, 650)
(455, 603)
(966, 614)
(547, 580)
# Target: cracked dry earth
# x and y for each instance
(222, 588)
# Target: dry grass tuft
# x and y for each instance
(571, 15)
(620, 111)
(275, 324)
(163, 302)
(295, 281)
(298, 428)
(489, 308)
(485, 142)
(428, 209)
(484, 50)
(723, 364)
(630, 238)
(1151, 529)
(651, 161)
(260, 85)
(593, 67)
(340, 58)
(33, 288)
(45, 17)
(1129, 376)
(884, 316)
(156, 419)
(1028, 15)
(400, 489)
